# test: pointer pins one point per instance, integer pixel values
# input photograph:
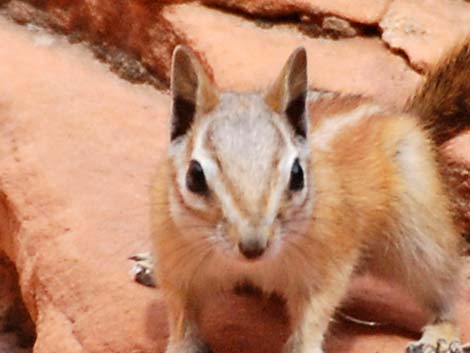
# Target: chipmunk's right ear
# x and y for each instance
(191, 89)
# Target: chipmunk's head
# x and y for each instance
(239, 160)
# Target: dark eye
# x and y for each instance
(195, 179)
(296, 182)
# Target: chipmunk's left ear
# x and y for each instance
(288, 94)
(193, 93)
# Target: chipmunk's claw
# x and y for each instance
(142, 270)
(441, 346)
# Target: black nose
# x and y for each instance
(251, 249)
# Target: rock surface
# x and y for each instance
(365, 11)
(346, 65)
(79, 147)
(61, 165)
(425, 30)
(133, 29)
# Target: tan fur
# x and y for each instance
(198, 87)
(278, 94)
(373, 200)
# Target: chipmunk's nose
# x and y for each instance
(251, 248)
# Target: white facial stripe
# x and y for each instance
(202, 156)
(177, 153)
(285, 166)
(333, 125)
(176, 209)
(213, 178)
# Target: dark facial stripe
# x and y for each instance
(206, 216)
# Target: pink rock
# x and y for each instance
(364, 11)
(425, 30)
(244, 56)
(79, 149)
(132, 28)
(8, 344)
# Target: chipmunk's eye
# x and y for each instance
(296, 182)
(195, 179)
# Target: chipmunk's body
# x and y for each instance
(261, 189)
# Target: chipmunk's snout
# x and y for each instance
(252, 240)
(252, 248)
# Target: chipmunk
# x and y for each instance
(294, 197)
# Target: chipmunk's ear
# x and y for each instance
(288, 94)
(191, 89)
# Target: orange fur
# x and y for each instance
(378, 204)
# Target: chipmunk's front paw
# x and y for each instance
(440, 346)
(142, 269)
